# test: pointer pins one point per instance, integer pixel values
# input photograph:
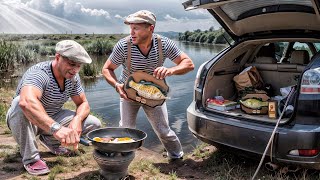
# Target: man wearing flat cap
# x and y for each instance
(146, 51)
(37, 107)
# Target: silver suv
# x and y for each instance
(281, 39)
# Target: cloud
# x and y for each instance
(169, 18)
(70, 10)
(119, 17)
(95, 12)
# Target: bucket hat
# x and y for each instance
(73, 51)
(142, 16)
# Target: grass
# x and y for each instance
(145, 166)
(5, 98)
(201, 151)
(173, 176)
(55, 170)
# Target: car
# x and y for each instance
(281, 40)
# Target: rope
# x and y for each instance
(273, 133)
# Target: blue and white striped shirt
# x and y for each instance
(139, 61)
(41, 76)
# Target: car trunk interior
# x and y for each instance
(219, 80)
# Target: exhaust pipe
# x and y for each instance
(271, 166)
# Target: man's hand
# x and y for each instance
(120, 90)
(76, 124)
(162, 72)
(67, 137)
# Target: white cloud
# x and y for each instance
(95, 12)
(119, 17)
(169, 18)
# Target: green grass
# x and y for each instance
(12, 53)
(144, 166)
(173, 175)
(5, 98)
(200, 151)
(55, 170)
(3, 111)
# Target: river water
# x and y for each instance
(104, 100)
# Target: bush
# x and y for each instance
(33, 47)
(90, 70)
(7, 55)
(11, 54)
(100, 47)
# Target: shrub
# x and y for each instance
(100, 47)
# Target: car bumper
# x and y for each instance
(254, 137)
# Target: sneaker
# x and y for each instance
(54, 149)
(37, 168)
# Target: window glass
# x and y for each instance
(317, 45)
(302, 46)
(281, 47)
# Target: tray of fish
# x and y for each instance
(254, 106)
(146, 89)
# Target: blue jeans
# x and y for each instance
(158, 118)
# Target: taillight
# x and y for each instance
(304, 152)
(310, 82)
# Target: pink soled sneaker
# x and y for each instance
(37, 168)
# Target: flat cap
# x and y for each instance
(73, 51)
(142, 16)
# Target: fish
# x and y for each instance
(147, 90)
(253, 103)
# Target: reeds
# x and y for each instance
(12, 54)
(100, 47)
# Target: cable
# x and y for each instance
(273, 133)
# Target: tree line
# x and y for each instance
(210, 36)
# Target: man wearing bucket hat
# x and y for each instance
(37, 107)
(146, 51)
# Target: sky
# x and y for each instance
(96, 16)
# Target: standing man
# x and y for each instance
(144, 50)
(37, 107)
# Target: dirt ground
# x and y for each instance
(146, 164)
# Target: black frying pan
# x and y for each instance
(137, 135)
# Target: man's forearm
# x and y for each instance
(82, 111)
(35, 113)
(185, 66)
(110, 77)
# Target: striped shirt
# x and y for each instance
(139, 61)
(41, 76)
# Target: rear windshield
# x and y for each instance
(317, 46)
(241, 10)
